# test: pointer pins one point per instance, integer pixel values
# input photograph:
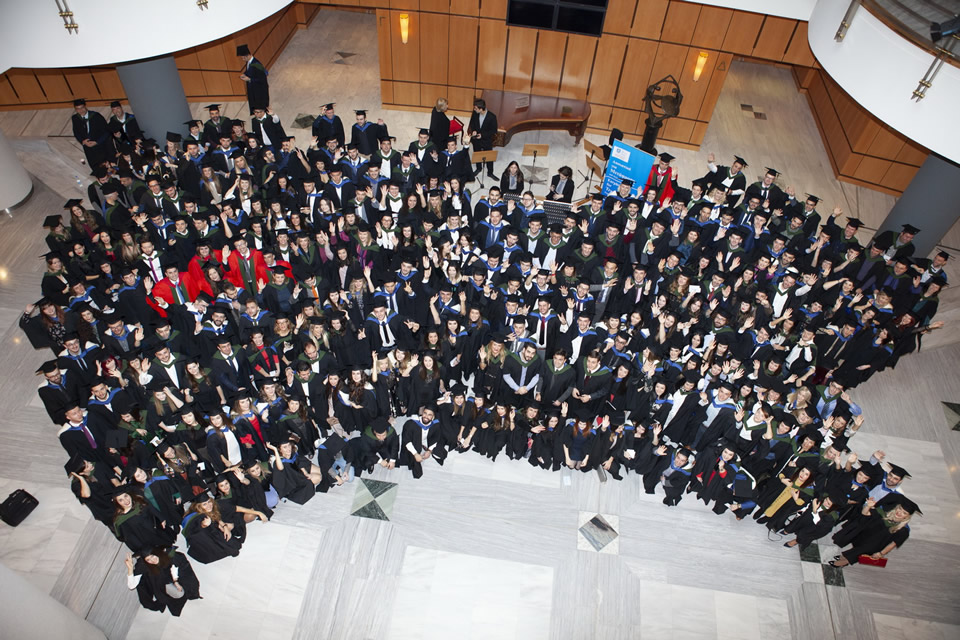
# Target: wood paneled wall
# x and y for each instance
(862, 149)
(643, 41)
(207, 72)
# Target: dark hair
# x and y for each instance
(480, 103)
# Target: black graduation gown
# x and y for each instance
(207, 544)
(413, 434)
(151, 590)
(543, 449)
(807, 530)
(162, 493)
(868, 535)
(140, 528)
(290, 482)
(99, 502)
(258, 89)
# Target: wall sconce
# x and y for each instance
(404, 27)
(701, 63)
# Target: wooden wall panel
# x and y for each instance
(108, 81)
(872, 169)
(217, 83)
(493, 43)
(636, 73)
(406, 93)
(799, 50)
(619, 16)
(437, 6)
(577, 65)
(680, 22)
(25, 84)
(648, 19)
(699, 131)
(717, 77)
(694, 92)
(433, 47)
(461, 98)
(493, 9)
(465, 7)
(81, 83)
(386, 92)
(54, 85)
(607, 69)
(679, 129)
(898, 176)
(406, 57)
(193, 82)
(742, 32)
(774, 38)
(521, 51)
(429, 94)
(711, 27)
(211, 56)
(383, 44)
(405, 5)
(600, 116)
(626, 120)
(462, 67)
(886, 144)
(7, 94)
(549, 66)
(912, 154)
(669, 60)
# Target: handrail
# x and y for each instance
(891, 21)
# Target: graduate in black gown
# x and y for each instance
(163, 579)
(881, 527)
(255, 75)
(137, 524)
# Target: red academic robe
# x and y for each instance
(662, 182)
(164, 289)
(235, 275)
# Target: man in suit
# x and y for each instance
(129, 129)
(90, 130)
(482, 128)
(561, 186)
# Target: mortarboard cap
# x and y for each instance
(856, 223)
(812, 198)
(899, 471)
(384, 137)
(115, 103)
(51, 222)
(898, 499)
(71, 203)
(109, 189)
(49, 367)
(174, 137)
(360, 112)
(740, 160)
(75, 464)
(79, 102)
(666, 157)
(212, 107)
(193, 123)
(243, 50)
(423, 132)
(773, 172)
(909, 228)
(328, 106)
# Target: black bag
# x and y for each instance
(17, 507)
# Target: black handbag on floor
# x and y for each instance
(17, 507)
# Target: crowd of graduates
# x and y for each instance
(236, 322)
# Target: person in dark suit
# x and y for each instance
(127, 123)
(482, 128)
(561, 185)
(255, 75)
(91, 131)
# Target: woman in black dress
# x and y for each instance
(208, 537)
(163, 579)
(544, 442)
(882, 527)
(201, 390)
(137, 524)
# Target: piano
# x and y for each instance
(518, 112)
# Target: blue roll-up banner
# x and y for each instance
(626, 162)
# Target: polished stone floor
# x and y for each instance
(480, 549)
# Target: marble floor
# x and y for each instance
(495, 549)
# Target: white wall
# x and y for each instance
(30, 614)
(880, 70)
(111, 31)
(796, 9)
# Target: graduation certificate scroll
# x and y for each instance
(626, 162)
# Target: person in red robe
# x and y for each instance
(176, 287)
(661, 178)
(246, 265)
